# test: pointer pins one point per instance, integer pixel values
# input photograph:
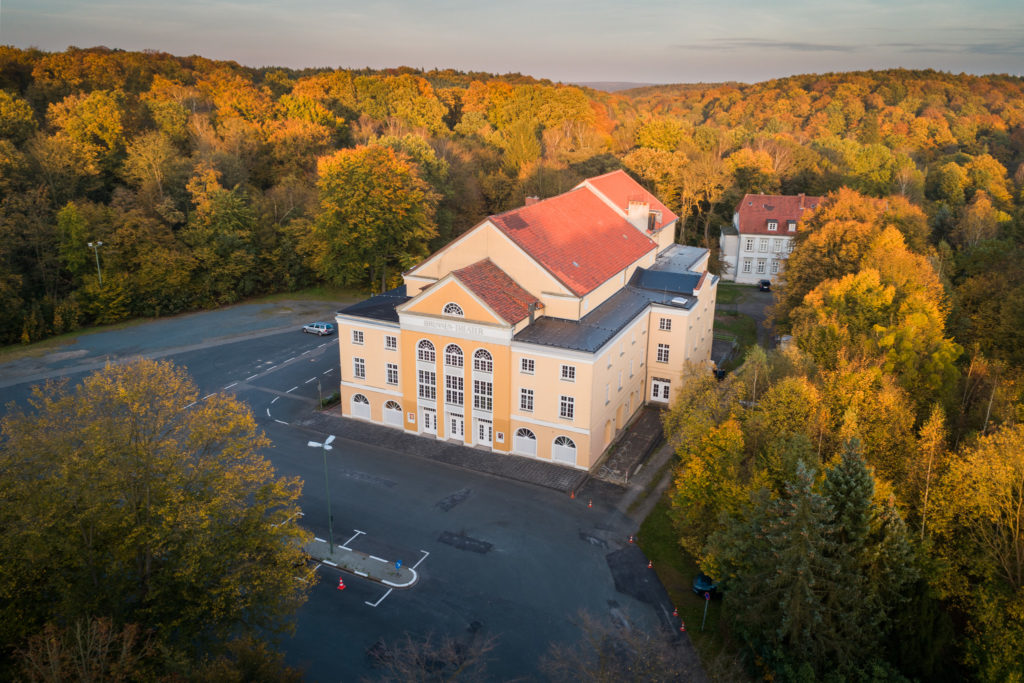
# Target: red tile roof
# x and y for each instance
(577, 237)
(755, 210)
(620, 190)
(497, 289)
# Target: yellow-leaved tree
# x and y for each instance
(126, 498)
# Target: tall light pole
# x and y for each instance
(326, 446)
(96, 250)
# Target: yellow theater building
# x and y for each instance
(539, 332)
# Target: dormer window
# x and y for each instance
(773, 226)
(453, 309)
(791, 226)
(653, 219)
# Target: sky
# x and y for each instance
(643, 41)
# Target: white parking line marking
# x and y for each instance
(374, 604)
(280, 421)
(249, 379)
(270, 368)
(327, 371)
(290, 359)
(311, 379)
(231, 385)
(190, 405)
(425, 556)
(322, 540)
(208, 396)
(354, 537)
(329, 562)
(379, 559)
(291, 390)
(275, 400)
(268, 412)
(322, 345)
(356, 571)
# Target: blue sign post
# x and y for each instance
(398, 564)
(707, 599)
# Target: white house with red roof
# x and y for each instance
(540, 331)
(756, 245)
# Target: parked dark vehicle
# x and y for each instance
(764, 285)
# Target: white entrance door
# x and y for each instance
(564, 450)
(428, 420)
(659, 389)
(392, 414)
(361, 407)
(484, 432)
(524, 442)
(456, 426)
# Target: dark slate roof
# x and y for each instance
(665, 280)
(380, 307)
(594, 329)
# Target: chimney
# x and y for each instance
(801, 195)
(638, 213)
(531, 200)
(532, 306)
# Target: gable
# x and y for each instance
(432, 301)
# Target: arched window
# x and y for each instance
(482, 361)
(359, 398)
(361, 407)
(453, 356)
(391, 405)
(453, 309)
(425, 351)
(565, 442)
(525, 433)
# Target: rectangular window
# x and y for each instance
(620, 380)
(526, 366)
(792, 226)
(749, 244)
(776, 246)
(526, 400)
(453, 390)
(760, 266)
(662, 353)
(762, 245)
(789, 247)
(665, 324)
(775, 266)
(566, 407)
(390, 342)
(392, 373)
(569, 373)
(357, 337)
(773, 226)
(482, 395)
(631, 367)
(607, 393)
(359, 368)
(746, 265)
(426, 381)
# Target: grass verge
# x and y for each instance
(730, 292)
(676, 569)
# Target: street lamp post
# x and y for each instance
(326, 446)
(96, 250)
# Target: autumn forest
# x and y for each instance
(859, 494)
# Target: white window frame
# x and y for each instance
(663, 353)
(391, 371)
(483, 395)
(760, 266)
(566, 407)
(483, 361)
(357, 337)
(775, 266)
(454, 390)
(773, 226)
(526, 400)
(665, 324)
(453, 309)
(762, 244)
(426, 384)
(390, 342)
(359, 368)
(453, 356)
(746, 265)
(749, 244)
(526, 366)
(792, 226)
(568, 373)
(425, 351)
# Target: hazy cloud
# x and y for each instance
(762, 44)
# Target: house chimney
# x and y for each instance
(638, 213)
(531, 200)
(801, 195)
(532, 308)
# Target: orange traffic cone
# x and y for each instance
(572, 495)
(630, 539)
(590, 503)
(650, 565)
(675, 612)
(682, 626)
(341, 583)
